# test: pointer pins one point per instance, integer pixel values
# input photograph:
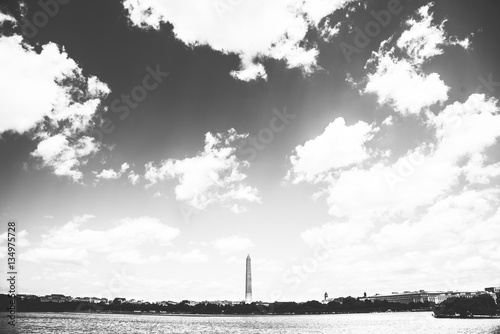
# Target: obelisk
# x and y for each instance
(248, 281)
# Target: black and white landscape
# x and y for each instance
(148, 146)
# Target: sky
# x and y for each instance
(348, 146)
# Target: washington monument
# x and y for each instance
(248, 281)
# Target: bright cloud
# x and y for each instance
(400, 82)
(213, 176)
(56, 256)
(224, 26)
(133, 177)
(424, 40)
(430, 207)
(40, 75)
(65, 155)
(120, 241)
(110, 174)
(57, 114)
(337, 147)
(6, 17)
(444, 248)
(463, 130)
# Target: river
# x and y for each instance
(377, 323)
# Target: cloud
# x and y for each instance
(336, 235)
(6, 17)
(337, 147)
(460, 134)
(40, 75)
(110, 174)
(212, 176)
(121, 239)
(65, 155)
(133, 177)
(444, 248)
(421, 175)
(388, 121)
(45, 109)
(223, 25)
(420, 216)
(232, 244)
(56, 256)
(424, 40)
(465, 129)
(478, 171)
(82, 219)
(400, 81)
(399, 84)
(194, 256)
(327, 32)
(410, 218)
(158, 194)
(20, 242)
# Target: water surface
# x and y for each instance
(379, 323)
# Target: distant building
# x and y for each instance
(222, 302)
(190, 302)
(423, 296)
(493, 289)
(55, 298)
(24, 296)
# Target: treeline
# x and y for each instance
(349, 305)
(465, 307)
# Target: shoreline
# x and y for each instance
(220, 314)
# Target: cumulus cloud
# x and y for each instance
(133, 177)
(65, 155)
(462, 130)
(400, 81)
(53, 113)
(6, 17)
(327, 32)
(399, 84)
(445, 247)
(40, 75)
(424, 212)
(337, 147)
(424, 40)
(281, 27)
(82, 219)
(56, 256)
(232, 244)
(111, 174)
(213, 176)
(73, 243)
